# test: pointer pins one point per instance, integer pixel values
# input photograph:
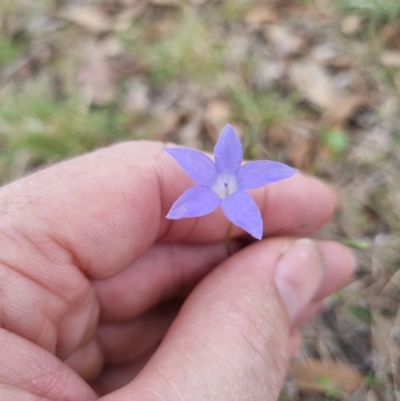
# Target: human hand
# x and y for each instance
(92, 277)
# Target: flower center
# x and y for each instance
(225, 185)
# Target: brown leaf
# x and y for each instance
(129, 3)
(390, 58)
(11, 25)
(23, 68)
(216, 116)
(123, 20)
(383, 338)
(390, 35)
(278, 135)
(327, 55)
(169, 124)
(166, 3)
(91, 18)
(313, 82)
(301, 154)
(342, 108)
(267, 74)
(260, 15)
(352, 24)
(189, 135)
(310, 375)
(198, 2)
(97, 81)
(286, 43)
(137, 98)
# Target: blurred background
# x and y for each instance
(312, 83)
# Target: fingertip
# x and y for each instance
(310, 201)
(340, 264)
(315, 188)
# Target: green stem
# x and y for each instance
(228, 240)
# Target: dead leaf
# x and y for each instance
(301, 154)
(342, 108)
(310, 374)
(390, 58)
(260, 15)
(313, 82)
(97, 81)
(166, 3)
(327, 55)
(91, 18)
(198, 2)
(26, 66)
(169, 124)
(278, 135)
(189, 135)
(123, 20)
(216, 116)
(266, 75)
(390, 35)
(128, 3)
(351, 24)
(138, 97)
(386, 348)
(286, 43)
(11, 25)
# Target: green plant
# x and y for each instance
(361, 313)
(9, 50)
(376, 10)
(372, 381)
(260, 110)
(336, 140)
(36, 125)
(21, 7)
(332, 391)
(236, 9)
(191, 51)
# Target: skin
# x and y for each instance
(103, 298)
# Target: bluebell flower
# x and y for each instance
(224, 182)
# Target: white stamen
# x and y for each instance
(225, 185)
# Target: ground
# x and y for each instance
(315, 84)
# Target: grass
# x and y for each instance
(259, 110)
(45, 129)
(25, 7)
(191, 51)
(235, 9)
(36, 125)
(384, 200)
(9, 50)
(372, 381)
(332, 391)
(360, 312)
(378, 11)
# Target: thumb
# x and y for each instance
(230, 340)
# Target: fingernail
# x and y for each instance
(298, 275)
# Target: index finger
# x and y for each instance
(106, 208)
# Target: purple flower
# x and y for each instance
(224, 182)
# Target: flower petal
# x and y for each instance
(228, 151)
(195, 202)
(259, 173)
(242, 211)
(200, 168)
